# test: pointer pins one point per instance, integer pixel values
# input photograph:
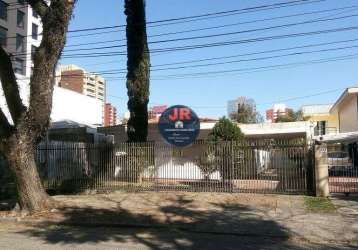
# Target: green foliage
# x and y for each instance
(138, 75)
(319, 205)
(292, 117)
(207, 162)
(225, 130)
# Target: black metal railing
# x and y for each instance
(265, 166)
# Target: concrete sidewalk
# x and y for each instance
(270, 218)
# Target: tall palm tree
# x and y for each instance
(138, 66)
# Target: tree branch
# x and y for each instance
(5, 127)
(55, 25)
(40, 6)
(10, 87)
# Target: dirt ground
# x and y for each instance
(164, 216)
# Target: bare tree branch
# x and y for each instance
(10, 87)
(40, 6)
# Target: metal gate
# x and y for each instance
(343, 168)
(265, 166)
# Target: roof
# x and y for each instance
(341, 137)
(344, 95)
(316, 109)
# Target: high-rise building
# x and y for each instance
(276, 111)
(233, 105)
(157, 111)
(20, 34)
(110, 115)
(77, 79)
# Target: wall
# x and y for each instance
(69, 105)
(348, 114)
(72, 80)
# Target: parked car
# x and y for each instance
(339, 163)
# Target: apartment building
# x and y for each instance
(110, 115)
(77, 79)
(20, 34)
(276, 111)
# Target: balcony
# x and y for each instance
(325, 131)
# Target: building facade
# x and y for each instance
(155, 112)
(110, 115)
(20, 35)
(326, 122)
(77, 79)
(346, 111)
(276, 111)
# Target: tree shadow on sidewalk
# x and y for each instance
(178, 225)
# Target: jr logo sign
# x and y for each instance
(179, 125)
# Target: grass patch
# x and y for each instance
(319, 205)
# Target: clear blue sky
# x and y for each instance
(208, 94)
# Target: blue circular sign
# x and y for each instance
(179, 125)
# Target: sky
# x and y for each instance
(314, 74)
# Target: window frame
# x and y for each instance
(23, 19)
(35, 36)
(5, 40)
(23, 42)
(6, 5)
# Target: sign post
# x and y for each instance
(179, 125)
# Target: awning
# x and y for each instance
(340, 138)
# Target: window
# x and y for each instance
(3, 36)
(22, 2)
(20, 19)
(20, 43)
(34, 14)
(35, 29)
(19, 66)
(3, 10)
(33, 51)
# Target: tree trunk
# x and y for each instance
(138, 65)
(31, 194)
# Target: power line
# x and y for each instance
(207, 15)
(149, 25)
(254, 69)
(216, 44)
(259, 104)
(221, 34)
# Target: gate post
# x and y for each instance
(321, 170)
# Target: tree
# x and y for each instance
(138, 66)
(19, 138)
(225, 130)
(291, 116)
(246, 112)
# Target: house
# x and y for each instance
(343, 114)
(346, 110)
(325, 121)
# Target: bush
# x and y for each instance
(226, 130)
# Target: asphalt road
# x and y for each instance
(104, 238)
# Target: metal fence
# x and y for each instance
(265, 166)
(343, 168)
